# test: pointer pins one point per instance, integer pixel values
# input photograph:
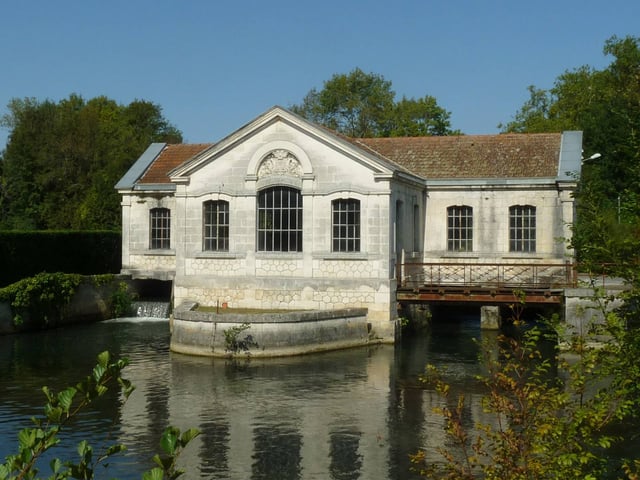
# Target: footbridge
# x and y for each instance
(486, 283)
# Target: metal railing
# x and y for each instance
(488, 275)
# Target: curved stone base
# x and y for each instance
(266, 334)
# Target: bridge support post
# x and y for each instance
(490, 318)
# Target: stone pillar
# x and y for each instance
(490, 318)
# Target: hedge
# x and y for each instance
(27, 253)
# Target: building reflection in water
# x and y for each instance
(343, 415)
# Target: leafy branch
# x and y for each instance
(61, 408)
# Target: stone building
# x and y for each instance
(286, 214)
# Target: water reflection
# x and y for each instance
(341, 415)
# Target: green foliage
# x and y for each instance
(605, 105)
(42, 298)
(103, 279)
(172, 444)
(26, 253)
(121, 300)
(360, 104)
(63, 159)
(420, 117)
(234, 344)
(60, 411)
(543, 424)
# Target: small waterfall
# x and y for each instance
(150, 308)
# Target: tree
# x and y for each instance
(362, 104)
(550, 416)
(605, 105)
(63, 159)
(421, 117)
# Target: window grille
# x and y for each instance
(279, 220)
(215, 226)
(346, 225)
(460, 229)
(160, 228)
(522, 228)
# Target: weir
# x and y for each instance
(151, 308)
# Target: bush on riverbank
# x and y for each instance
(557, 416)
(52, 299)
(41, 299)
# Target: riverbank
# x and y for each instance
(93, 299)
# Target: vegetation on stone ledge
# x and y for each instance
(42, 298)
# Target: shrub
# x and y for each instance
(544, 425)
(42, 298)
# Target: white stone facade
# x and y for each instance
(490, 205)
(401, 216)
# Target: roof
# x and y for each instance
(473, 156)
(502, 156)
(171, 156)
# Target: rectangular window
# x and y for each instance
(279, 220)
(215, 226)
(416, 229)
(522, 228)
(460, 229)
(160, 228)
(345, 225)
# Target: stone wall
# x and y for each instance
(490, 205)
(267, 334)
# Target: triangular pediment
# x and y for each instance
(285, 120)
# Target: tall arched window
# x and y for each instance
(159, 228)
(215, 226)
(460, 228)
(345, 225)
(279, 220)
(522, 228)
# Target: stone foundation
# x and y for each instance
(267, 334)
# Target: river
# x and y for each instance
(351, 414)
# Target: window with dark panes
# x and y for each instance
(279, 220)
(160, 228)
(345, 225)
(215, 226)
(460, 229)
(522, 228)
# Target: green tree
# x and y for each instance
(63, 159)
(421, 117)
(548, 416)
(360, 104)
(605, 105)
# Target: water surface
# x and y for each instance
(349, 414)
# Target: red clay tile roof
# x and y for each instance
(472, 156)
(455, 157)
(171, 156)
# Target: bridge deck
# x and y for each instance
(484, 282)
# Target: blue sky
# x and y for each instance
(215, 65)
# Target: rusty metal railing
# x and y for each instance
(489, 275)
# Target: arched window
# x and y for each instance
(522, 228)
(345, 225)
(460, 229)
(279, 220)
(215, 226)
(159, 228)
